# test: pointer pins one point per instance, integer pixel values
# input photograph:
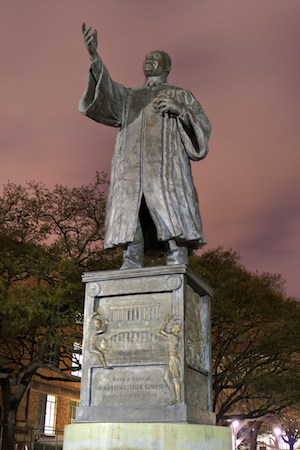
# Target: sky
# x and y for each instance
(239, 58)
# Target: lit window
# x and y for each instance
(46, 414)
(50, 415)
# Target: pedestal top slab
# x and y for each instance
(145, 272)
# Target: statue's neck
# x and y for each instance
(156, 81)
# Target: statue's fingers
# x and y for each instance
(86, 33)
(89, 39)
(161, 102)
(164, 109)
(156, 103)
(83, 27)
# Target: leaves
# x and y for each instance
(72, 220)
(255, 338)
(47, 239)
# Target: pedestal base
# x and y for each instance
(146, 436)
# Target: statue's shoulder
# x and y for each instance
(171, 86)
(139, 88)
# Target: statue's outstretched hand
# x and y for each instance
(90, 40)
(165, 103)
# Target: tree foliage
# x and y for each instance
(47, 239)
(255, 338)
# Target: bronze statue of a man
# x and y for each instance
(152, 202)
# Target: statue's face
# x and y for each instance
(175, 328)
(97, 324)
(155, 64)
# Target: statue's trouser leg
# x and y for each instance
(176, 254)
(168, 381)
(133, 254)
(177, 389)
(103, 360)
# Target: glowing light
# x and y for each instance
(235, 424)
(277, 431)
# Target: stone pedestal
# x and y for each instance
(146, 347)
(146, 436)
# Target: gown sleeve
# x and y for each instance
(103, 100)
(194, 127)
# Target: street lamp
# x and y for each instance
(234, 425)
(277, 432)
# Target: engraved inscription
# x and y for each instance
(130, 386)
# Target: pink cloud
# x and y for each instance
(238, 58)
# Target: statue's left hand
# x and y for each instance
(165, 103)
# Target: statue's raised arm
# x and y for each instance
(90, 40)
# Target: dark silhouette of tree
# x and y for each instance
(255, 338)
(47, 239)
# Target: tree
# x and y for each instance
(255, 339)
(47, 238)
(288, 426)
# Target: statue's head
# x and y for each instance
(157, 63)
(176, 328)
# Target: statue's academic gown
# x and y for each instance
(150, 159)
